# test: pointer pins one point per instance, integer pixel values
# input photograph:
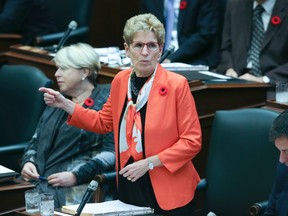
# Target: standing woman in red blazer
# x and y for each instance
(155, 122)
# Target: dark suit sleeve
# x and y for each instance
(226, 46)
(279, 73)
(201, 38)
(13, 15)
(154, 7)
(270, 211)
(277, 204)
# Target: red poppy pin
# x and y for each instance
(275, 20)
(183, 5)
(163, 90)
(89, 102)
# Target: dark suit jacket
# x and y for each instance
(198, 30)
(237, 34)
(278, 201)
(30, 18)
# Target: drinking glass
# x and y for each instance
(46, 204)
(32, 201)
(282, 92)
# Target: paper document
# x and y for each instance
(4, 170)
(216, 75)
(179, 66)
(114, 207)
(6, 174)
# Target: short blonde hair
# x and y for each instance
(79, 56)
(143, 22)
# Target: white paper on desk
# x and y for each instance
(104, 54)
(179, 66)
(216, 75)
(5, 170)
(114, 207)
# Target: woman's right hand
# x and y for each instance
(29, 171)
(52, 98)
(56, 99)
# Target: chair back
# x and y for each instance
(64, 11)
(241, 162)
(22, 105)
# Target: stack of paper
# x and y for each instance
(7, 174)
(178, 66)
(115, 207)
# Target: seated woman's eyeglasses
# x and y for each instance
(151, 46)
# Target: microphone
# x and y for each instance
(72, 26)
(169, 50)
(90, 190)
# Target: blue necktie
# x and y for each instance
(169, 22)
(256, 40)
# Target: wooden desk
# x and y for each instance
(275, 106)
(6, 40)
(24, 213)
(12, 196)
(209, 97)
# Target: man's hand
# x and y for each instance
(250, 77)
(29, 171)
(231, 72)
(62, 179)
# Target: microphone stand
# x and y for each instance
(55, 48)
(90, 190)
(170, 50)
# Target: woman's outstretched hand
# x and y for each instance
(56, 99)
(52, 98)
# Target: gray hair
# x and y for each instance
(79, 56)
(143, 22)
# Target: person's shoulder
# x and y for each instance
(123, 73)
(102, 90)
(170, 75)
(104, 87)
(234, 3)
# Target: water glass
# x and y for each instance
(32, 201)
(282, 92)
(46, 204)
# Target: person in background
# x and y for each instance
(254, 42)
(192, 26)
(277, 204)
(29, 18)
(69, 157)
(155, 140)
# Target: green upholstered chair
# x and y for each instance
(241, 162)
(20, 109)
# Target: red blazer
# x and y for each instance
(172, 131)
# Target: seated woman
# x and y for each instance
(69, 157)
